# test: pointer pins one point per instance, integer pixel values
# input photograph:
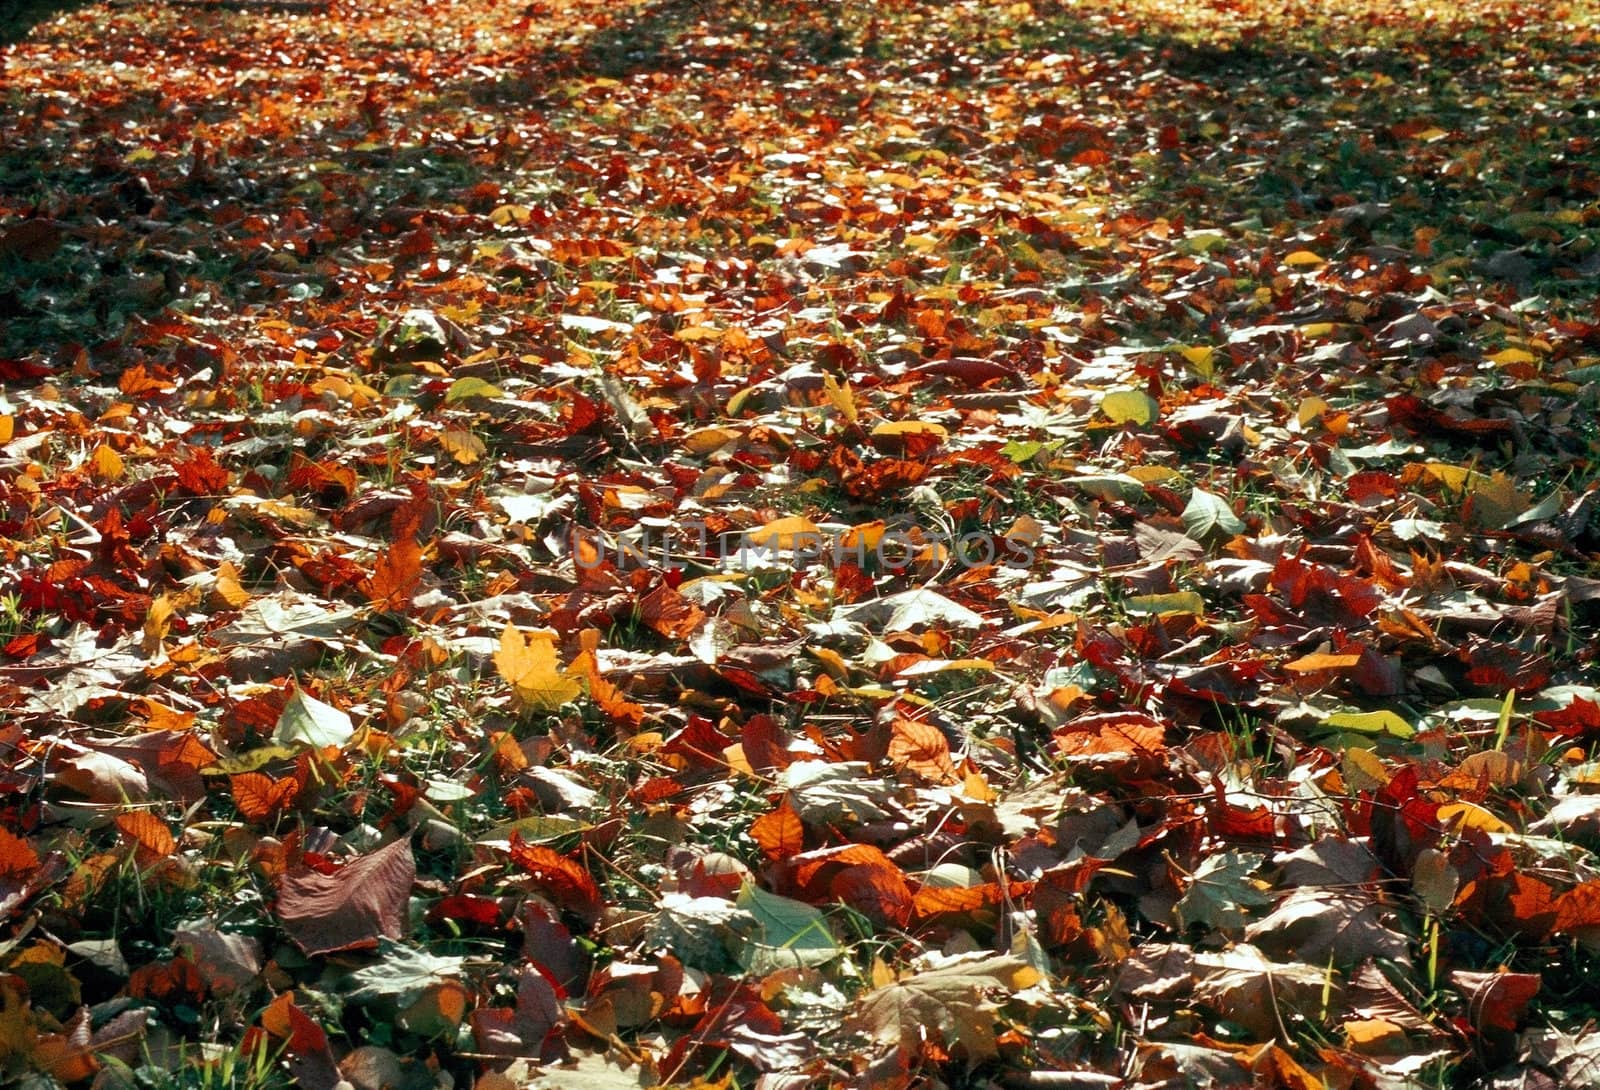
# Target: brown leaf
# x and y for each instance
(353, 908)
(670, 613)
(948, 1004)
(1314, 925)
(1497, 1001)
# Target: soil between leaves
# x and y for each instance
(894, 545)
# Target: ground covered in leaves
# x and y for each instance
(913, 544)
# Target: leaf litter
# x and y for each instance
(833, 544)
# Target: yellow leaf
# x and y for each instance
(106, 464)
(229, 591)
(1384, 722)
(1303, 259)
(1512, 355)
(1496, 501)
(706, 440)
(157, 622)
(1454, 478)
(529, 665)
(832, 662)
(911, 427)
(464, 388)
(1319, 329)
(840, 397)
(786, 533)
(1203, 359)
(1185, 601)
(1129, 407)
(1362, 770)
(462, 445)
(511, 215)
(1155, 474)
(975, 786)
(8, 427)
(1311, 409)
(1467, 815)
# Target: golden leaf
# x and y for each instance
(530, 665)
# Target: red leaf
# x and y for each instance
(764, 745)
(200, 475)
(563, 880)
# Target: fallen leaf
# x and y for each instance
(353, 908)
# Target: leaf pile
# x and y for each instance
(774, 544)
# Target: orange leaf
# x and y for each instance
(1310, 664)
(286, 1021)
(932, 901)
(399, 569)
(258, 796)
(17, 857)
(780, 833)
(396, 574)
(1579, 907)
(857, 874)
(149, 832)
(921, 748)
(136, 380)
(879, 892)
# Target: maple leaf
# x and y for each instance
(948, 1003)
(396, 573)
(1221, 892)
(530, 665)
